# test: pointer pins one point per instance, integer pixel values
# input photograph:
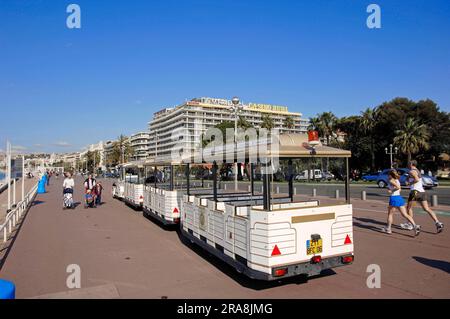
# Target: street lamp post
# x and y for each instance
(122, 148)
(236, 109)
(391, 152)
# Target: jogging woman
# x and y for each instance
(396, 201)
(418, 194)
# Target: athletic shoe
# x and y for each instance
(417, 230)
(439, 227)
(407, 226)
(386, 230)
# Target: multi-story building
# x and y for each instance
(93, 148)
(139, 143)
(110, 152)
(185, 124)
(71, 159)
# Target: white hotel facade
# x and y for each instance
(185, 124)
(140, 143)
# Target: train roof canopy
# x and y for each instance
(288, 146)
(296, 145)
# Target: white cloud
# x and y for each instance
(18, 148)
(62, 144)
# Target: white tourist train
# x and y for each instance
(134, 184)
(129, 187)
(163, 194)
(263, 235)
(118, 187)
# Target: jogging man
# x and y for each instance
(418, 194)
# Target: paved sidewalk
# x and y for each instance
(124, 255)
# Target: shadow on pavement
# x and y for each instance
(37, 202)
(438, 264)
(159, 223)
(242, 279)
(378, 227)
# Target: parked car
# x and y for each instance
(302, 176)
(383, 179)
(371, 177)
(313, 174)
(327, 176)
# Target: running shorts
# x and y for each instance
(396, 201)
(417, 196)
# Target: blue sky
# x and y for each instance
(61, 89)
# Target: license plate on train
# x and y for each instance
(314, 247)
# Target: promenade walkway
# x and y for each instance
(29, 183)
(124, 255)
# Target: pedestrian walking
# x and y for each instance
(98, 192)
(418, 194)
(396, 202)
(90, 185)
(68, 187)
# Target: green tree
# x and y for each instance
(289, 122)
(412, 138)
(314, 124)
(327, 125)
(122, 144)
(267, 122)
(243, 123)
(368, 122)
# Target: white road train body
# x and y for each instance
(130, 185)
(263, 236)
(118, 189)
(164, 205)
(290, 239)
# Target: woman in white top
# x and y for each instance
(396, 201)
(68, 184)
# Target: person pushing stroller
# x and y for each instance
(68, 186)
(90, 186)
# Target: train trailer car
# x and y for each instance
(118, 187)
(134, 184)
(163, 205)
(272, 237)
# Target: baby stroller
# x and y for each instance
(89, 199)
(68, 199)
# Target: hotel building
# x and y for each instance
(185, 124)
(139, 143)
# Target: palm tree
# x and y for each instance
(367, 125)
(289, 122)
(412, 137)
(122, 143)
(314, 124)
(327, 124)
(267, 122)
(243, 123)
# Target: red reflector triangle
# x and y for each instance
(276, 251)
(347, 240)
(176, 211)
